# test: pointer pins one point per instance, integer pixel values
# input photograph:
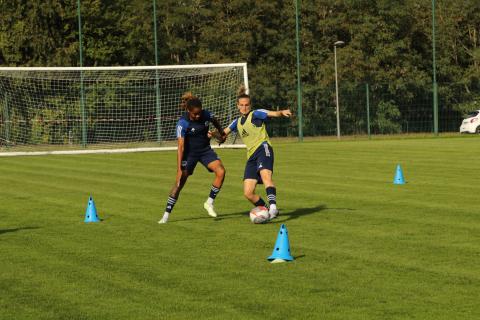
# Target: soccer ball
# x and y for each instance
(259, 215)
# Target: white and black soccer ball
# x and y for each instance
(259, 215)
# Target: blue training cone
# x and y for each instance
(399, 179)
(281, 252)
(91, 212)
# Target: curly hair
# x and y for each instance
(189, 101)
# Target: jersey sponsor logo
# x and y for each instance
(244, 133)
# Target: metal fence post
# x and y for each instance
(158, 112)
(368, 110)
(299, 83)
(82, 89)
(7, 122)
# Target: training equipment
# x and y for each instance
(91, 212)
(399, 179)
(281, 252)
(107, 109)
(259, 215)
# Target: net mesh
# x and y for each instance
(97, 109)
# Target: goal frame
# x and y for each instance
(84, 149)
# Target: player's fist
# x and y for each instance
(220, 137)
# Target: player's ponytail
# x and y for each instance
(242, 92)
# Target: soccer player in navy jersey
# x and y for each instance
(193, 147)
(259, 167)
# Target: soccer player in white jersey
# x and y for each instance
(259, 167)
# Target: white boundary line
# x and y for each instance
(105, 151)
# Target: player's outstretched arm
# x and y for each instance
(231, 128)
(222, 136)
(218, 134)
(281, 113)
(217, 125)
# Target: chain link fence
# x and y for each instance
(379, 109)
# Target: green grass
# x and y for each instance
(364, 248)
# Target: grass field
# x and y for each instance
(364, 248)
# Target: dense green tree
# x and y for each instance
(388, 45)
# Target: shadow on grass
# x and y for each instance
(299, 256)
(221, 216)
(297, 213)
(2, 231)
(284, 215)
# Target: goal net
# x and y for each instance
(108, 109)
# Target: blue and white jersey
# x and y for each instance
(195, 132)
(258, 118)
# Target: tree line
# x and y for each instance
(388, 44)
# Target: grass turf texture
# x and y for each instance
(364, 248)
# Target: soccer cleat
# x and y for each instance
(273, 213)
(164, 219)
(210, 210)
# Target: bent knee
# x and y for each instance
(221, 171)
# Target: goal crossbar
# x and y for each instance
(171, 67)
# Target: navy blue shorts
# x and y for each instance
(261, 159)
(191, 159)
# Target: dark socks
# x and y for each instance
(272, 195)
(260, 203)
(214, 191)
(170, 203)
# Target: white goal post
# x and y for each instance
(65, 110)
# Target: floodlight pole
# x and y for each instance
(299, 82)
(338, 43)
(434, 67)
